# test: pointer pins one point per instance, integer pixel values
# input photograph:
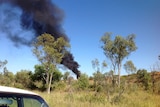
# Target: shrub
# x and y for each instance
(82, 83)
(99, 88)
(144, 78)
(59, 86)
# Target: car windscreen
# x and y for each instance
(20, 100)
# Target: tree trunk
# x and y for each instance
(113, 76)
(113, 80)
(49, 85)
(47, 78)
(119, 75)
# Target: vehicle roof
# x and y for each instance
(6, 89)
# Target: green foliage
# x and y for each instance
(116, 50)
(66, 76)
(57, 75)
(22, 79)
(96, 65)
(27, 80)
(99, 88)
(129, 67)
(98, 78)
(82, 83)
(39, 75)
(144, 78)
(7, 79)
(49, 51)
(119, 48)
(3, 63)
(59, 86)
(38, 78)
(98, 98)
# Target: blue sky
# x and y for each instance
(85, 23)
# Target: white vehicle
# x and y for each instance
(14, 97)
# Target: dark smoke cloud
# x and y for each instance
(40, 15)
(68, 61)
(10, 26)
(36, 17)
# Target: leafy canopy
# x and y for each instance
(118, 48)
(129, 67)
(50, 50)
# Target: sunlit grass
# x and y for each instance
(88, 99)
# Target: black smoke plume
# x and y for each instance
(71, 64)
(42, 16)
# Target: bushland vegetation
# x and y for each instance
(140, 88)
(137, 90)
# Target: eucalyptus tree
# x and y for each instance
(118, 49)
(49, 52)
(3, 63)
(129, 67)
(98, 76)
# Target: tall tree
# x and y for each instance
(129, 67)
(118, 49)
(98, 75)
(3, 63)
(49, 52)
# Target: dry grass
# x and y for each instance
(88, 99)
(141, 99)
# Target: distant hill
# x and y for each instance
(155, 76)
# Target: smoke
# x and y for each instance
(40, 15)
(68, 61)
(10, 26)
(24, 20)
